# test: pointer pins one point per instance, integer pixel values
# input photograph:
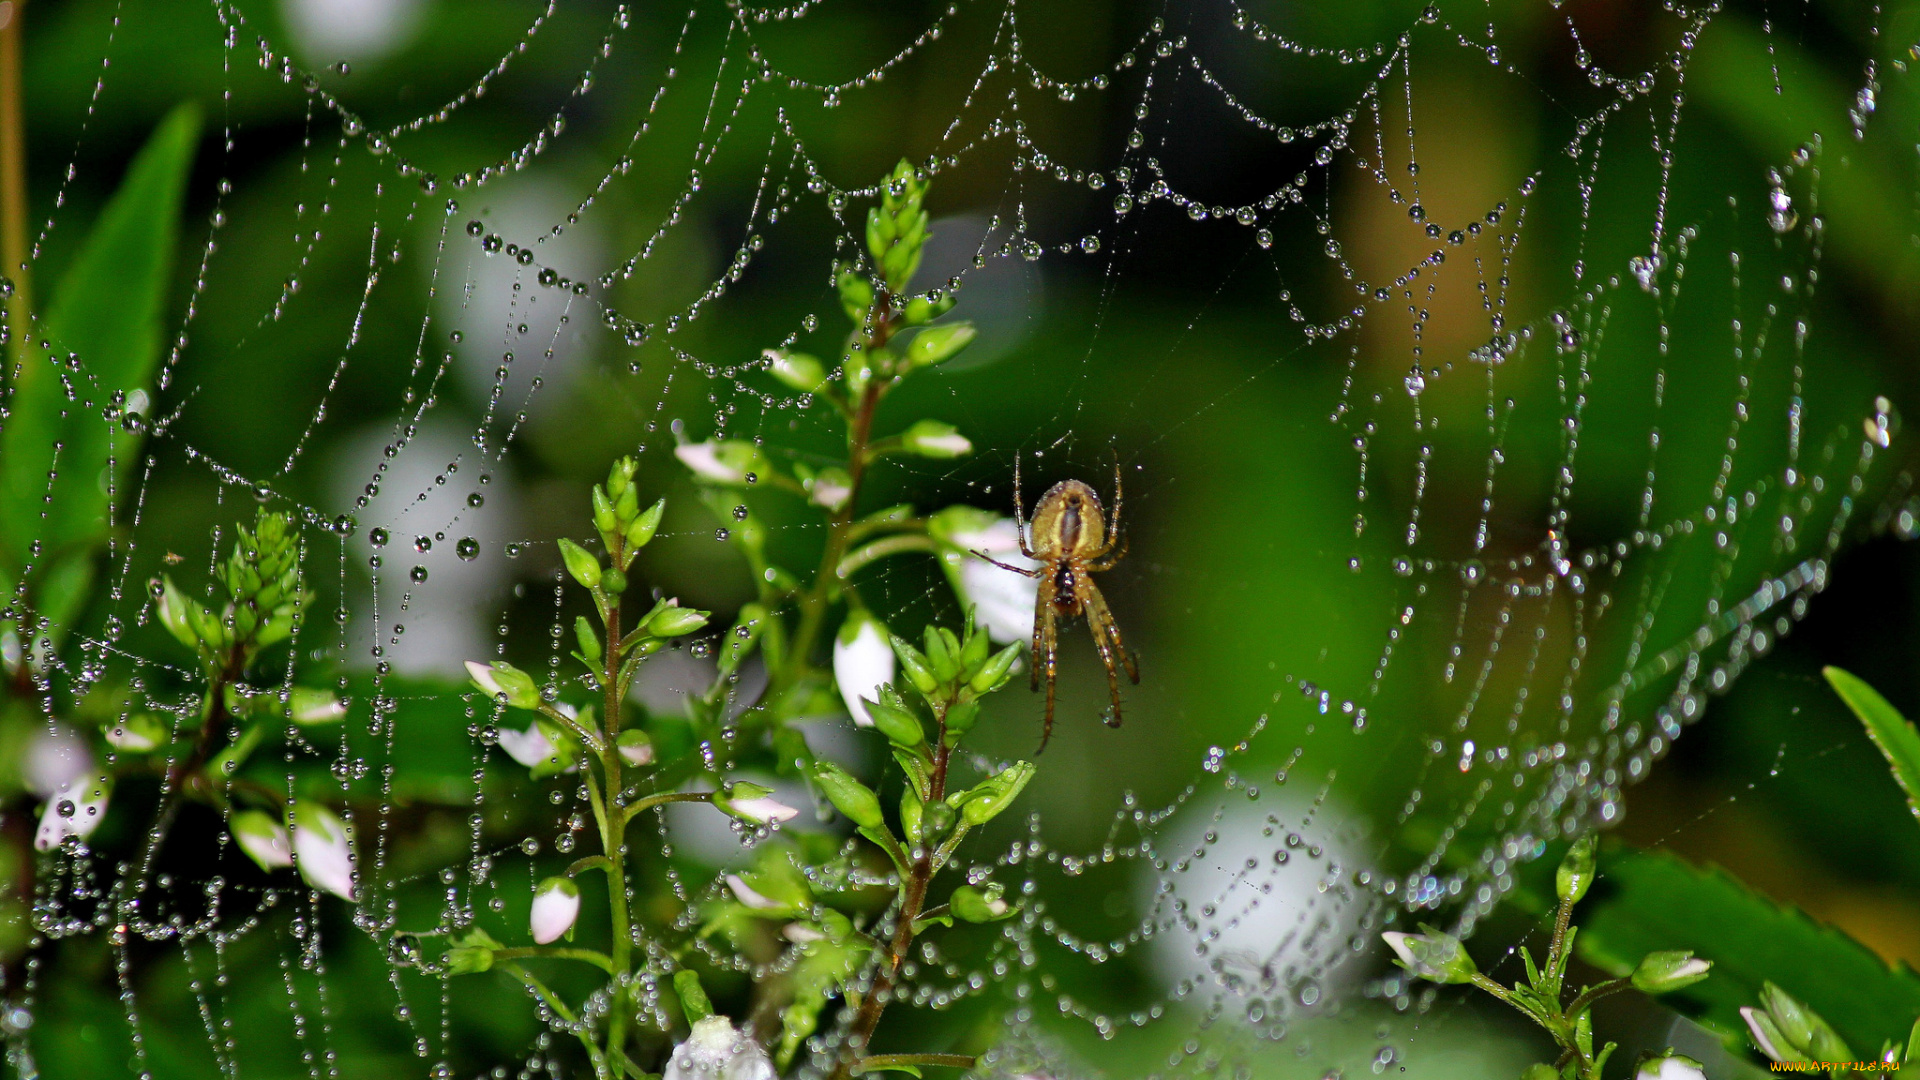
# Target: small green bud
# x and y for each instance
(984, 801)
(943, 660)
(974, 647)
(933, 439)
(635, 746)
(796, 370)
(976, 905)
(911, 810)
(856, 294)
(1432, 955)
(693, 1000)
(994, 673)
(1669, 970)
(1576, 872)
(580, 563)
(471, 952)
(960, 720)
(848, 795)
(175, 610)
(921, 310)
(589, 640)
(740, 640)
(1540, 1071)
(640, 533)
(939, 343)
(673, 621)
(915, 664)
(613, 580)
(137, 733)
(900, 726)
(1801, 1030)
(620, 476)
(935, 822)
(604, 521)
(880, 232)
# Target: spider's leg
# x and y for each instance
(1100, 616)
(1019, 509)
(1001, 565)
(1107, 559)
(1045, 651)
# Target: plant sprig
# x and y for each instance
(1439, 957)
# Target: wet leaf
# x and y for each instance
(106, 312)
(1892, 733)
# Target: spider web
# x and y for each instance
(1461, 472)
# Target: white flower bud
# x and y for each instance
(1003, 602)
(761, 811)
(556, 904)
(715, 1051)
(750, 896)
(862, 663)
(726, 462)
(75, 809)
(308, 706)
(263, 839)
(529, 747)
(482, 677)
(1670, 1067)
(931, 438)
(323, 849)
(55, 760)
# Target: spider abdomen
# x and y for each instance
(1066, 592)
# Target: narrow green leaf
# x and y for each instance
(1891, 732)
(106, 312)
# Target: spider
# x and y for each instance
(1072, 540)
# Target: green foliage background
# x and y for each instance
(1169, 345)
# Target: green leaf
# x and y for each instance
(107, 311)
(1891, 732)
(1653, 900)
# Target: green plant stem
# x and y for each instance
(880, 549)
(559, 1007)
(548, 952)
(640, 806)
(921, 875)
(891, 1061)
(1562, 918)
(813, 607)
(213, 717)
(613, 823)
(13, 192)
(1594, 993)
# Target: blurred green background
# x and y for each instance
(1172, 340)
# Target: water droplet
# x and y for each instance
(468, 549)
(423, 543)
(377, 536)
(418, 573)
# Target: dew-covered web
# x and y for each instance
(1459, 479)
